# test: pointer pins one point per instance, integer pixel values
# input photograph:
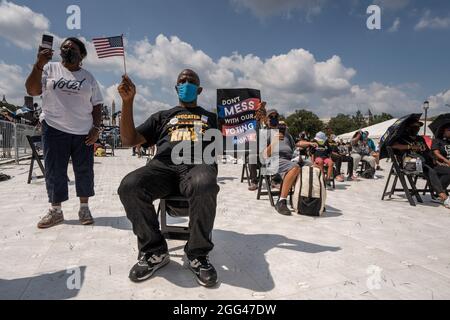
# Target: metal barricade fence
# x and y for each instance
(13, 140)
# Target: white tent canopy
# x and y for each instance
(375, 132)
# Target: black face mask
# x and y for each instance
(414, 131)
(274, 122)
(70, 56)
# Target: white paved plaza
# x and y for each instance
(363, 248)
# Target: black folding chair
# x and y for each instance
(333, 177)
(175, 206)
(266, 180)
(245, 176)
(404, 177)
(35, 156)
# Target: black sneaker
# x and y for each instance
(282, 208)
(147, 265)
(205, 273)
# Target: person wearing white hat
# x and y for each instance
(322, 155)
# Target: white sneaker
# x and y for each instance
(447, 203)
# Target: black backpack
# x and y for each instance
(368, 173)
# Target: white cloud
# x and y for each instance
(395, 26)
(12, 83)
(21, 26)
(285, 79)
(288, 81)
(377, 97)
(438, 103)
(265, 8)
(144, 105)
(429, 22)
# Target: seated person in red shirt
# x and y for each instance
(322, 155)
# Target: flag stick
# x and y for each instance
(124, 60)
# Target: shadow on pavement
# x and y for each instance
(60, 285)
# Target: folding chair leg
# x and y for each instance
(30, 173)
(163, 216)
(247, 172)
(427, 188)
(260, 184)
(406, 189)
(243, 172)
(269, 191)
(415, 193)
(394, 187)
(387, 183)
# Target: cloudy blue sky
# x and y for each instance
(314, 54)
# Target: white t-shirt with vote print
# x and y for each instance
(68, 98)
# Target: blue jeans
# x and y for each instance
(59, 147)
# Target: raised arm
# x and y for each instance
(34, 80)
(130, 137)
(356, 139)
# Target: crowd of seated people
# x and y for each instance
(327, 153)
(323, 151)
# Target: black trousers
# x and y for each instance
(59, 147)
(157, 180)
(439, 177)
(342, 158)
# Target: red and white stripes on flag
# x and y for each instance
(109, 47)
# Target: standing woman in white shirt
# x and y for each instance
(71, 119)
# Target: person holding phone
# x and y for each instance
(280, 151)
(71, 124)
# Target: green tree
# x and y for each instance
(303, 120)
(342, 123)
(382, 118)
(359, 120)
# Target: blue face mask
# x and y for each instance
(187, 92)
(274, 122)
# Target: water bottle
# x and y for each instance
(419, 167)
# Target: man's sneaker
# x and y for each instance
(340, 178)
(253, 187)
(350, 178)
(85, 216)
(147, 265)
(282, 208)
(51, 219)
(447, 203)
(205, 273)
(275, 185)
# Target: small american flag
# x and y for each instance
(109, 47)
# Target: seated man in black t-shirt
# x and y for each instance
(441, 146)
(161, 177)
(411, 143)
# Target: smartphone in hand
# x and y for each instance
(47, 42)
